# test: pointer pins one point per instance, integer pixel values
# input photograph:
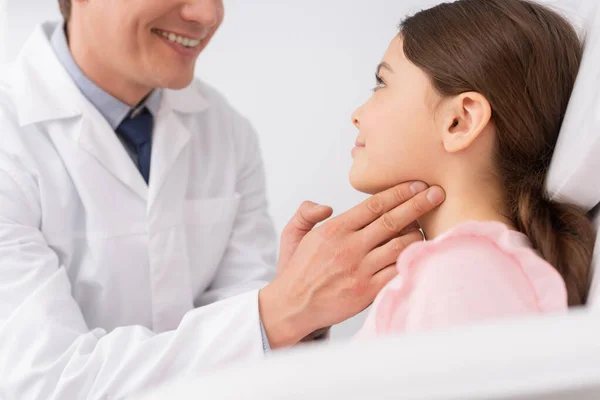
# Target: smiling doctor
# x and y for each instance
(135, 240)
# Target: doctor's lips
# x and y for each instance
(184, 44)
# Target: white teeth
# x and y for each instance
(187, 42)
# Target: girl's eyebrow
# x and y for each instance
(384, 65)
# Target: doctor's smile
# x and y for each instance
(185, 44)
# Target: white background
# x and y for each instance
(297, 69)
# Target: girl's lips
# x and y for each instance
(357, 148)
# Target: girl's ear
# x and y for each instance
(467, 116)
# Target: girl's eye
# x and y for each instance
(380, 83)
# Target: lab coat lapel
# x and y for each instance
(101, 142)
(172, 135)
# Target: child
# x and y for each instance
(470, 96)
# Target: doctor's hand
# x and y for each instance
(337, 269)
(307, 216)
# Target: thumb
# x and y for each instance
(306, 217)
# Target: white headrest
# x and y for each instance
(575, 167)
(574, 174)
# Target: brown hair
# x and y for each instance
(65, 9)
(524, 59)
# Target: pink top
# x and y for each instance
(474, 272)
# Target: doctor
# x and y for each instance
(135, 242)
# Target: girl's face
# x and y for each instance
(398, 140)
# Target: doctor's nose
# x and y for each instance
(208, 13)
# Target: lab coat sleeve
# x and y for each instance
(250, 259)
(48, 352)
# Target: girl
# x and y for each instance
(470, 96)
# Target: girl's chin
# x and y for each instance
(362, 185)
(367, 180)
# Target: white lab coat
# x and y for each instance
(104, 280)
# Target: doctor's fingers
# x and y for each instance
(377, 205)
(390, 224)
(387, 254)
(382, 278)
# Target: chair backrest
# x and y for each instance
(575, 169)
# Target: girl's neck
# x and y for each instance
(469, 202)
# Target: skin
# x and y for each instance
(407, 131)
(324, 274)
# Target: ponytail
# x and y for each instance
(561, 233)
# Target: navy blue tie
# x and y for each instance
(137, 130)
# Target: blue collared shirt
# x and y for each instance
(111, 108)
